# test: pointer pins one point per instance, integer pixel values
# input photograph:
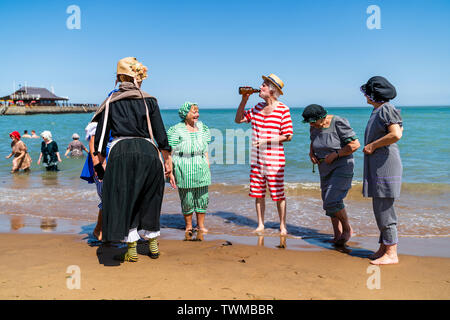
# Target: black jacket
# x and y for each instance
(127, 118)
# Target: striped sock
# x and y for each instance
(153, 246)
(130, 255)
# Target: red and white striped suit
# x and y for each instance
(267, 161)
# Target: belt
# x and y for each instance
(117, 139)
(188, 155)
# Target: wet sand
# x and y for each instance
(35, 266)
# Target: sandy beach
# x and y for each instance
(35, 266)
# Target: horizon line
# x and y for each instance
(359, 106)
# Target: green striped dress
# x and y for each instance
(190, 166)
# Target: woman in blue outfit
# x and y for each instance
(382, 164)
(333, 142)
(90, 176)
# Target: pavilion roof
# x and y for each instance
(32, 93)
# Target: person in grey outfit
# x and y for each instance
(382, 165)
(333, 142)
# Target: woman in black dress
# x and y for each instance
(133, 183)
(49, 152)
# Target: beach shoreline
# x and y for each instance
(359, 245)
(41, 267)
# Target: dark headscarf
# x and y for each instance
(378, 89)
(313, 112)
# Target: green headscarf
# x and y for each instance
(184, 109)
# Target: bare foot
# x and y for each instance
(376, 255)
(259, 229)
(336, 238)
(188, 235)
(204, 230)
(346, 235)
(381, 251)
(385, 259)
(199, 236)
(283, 231)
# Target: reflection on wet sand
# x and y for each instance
(21, 180)
(48, 224)
(194, 235)
(260, 241)
(282, 244)
(16, 223)
(50, 179)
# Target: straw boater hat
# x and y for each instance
(276, 81)
(131, 67)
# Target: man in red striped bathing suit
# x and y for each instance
(271, 126)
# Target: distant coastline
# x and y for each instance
(26, 110)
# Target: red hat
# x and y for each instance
(15, 134)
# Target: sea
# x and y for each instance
(60, 197)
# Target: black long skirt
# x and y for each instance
(133, 189)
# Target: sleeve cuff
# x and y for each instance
(348, 140)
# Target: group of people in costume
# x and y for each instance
(132, 156)
(49, 155)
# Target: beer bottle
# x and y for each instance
(247, 90)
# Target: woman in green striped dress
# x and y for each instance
(189, 140)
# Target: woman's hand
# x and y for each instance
(369, 149)
(168, 167)
(245, 96)
(395, 134)
(172, 181)
(207, 160)
(313, 158)
(260, 142)
(331, 157)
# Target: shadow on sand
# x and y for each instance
(107, 250)
(311, 236)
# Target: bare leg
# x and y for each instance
(188, 232)
(281, 206)
(347, 230)
(98, 228)
(201, 222)
(260, 204)
(337, 229)
(389, 257)
(188, 221)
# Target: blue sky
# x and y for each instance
(204, 50)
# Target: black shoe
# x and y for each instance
(154, 255)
